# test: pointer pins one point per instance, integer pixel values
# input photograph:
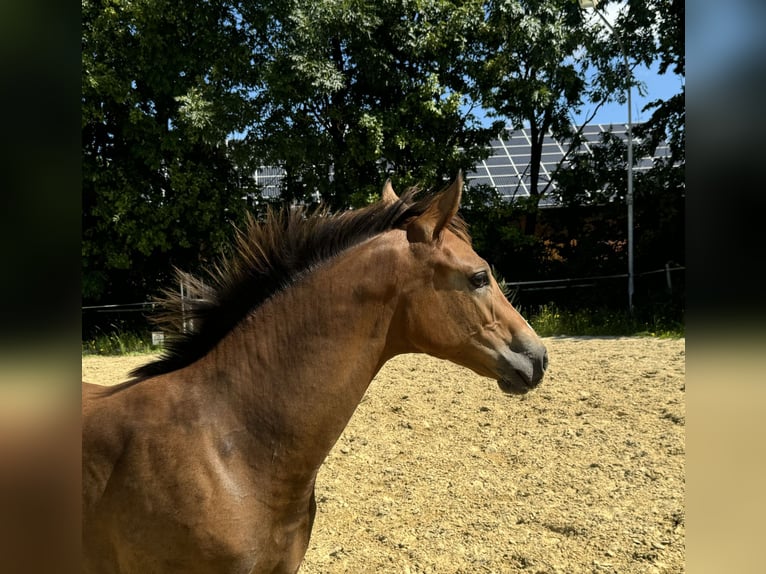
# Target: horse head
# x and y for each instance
(452, 307)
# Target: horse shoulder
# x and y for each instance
(103, 439)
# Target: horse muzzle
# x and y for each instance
(524, 370)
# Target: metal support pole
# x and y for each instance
(629, 196)
(629, 135)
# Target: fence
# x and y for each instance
(133, 317)
(659, 285)
(665, 286)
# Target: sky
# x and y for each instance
(657, 87)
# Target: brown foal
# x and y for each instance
(206, 460)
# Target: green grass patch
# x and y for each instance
(550, 320)
(115, 343)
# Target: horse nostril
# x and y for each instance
(545, 360)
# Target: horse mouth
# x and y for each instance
(515, 386)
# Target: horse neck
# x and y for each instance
(301, 363)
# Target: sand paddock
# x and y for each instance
(439, 472)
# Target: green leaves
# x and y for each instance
(367, 91)
(182, 100)
(162, 89)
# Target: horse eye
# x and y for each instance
(480, 279)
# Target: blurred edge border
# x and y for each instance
(726, 340)
(40, 322)
(40, 287)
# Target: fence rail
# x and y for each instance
(589, 280)
(529, 292)
(123, 307)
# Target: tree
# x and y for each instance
(650, 31)
(358, 91)
(544, 58)
(667, 122)
(530, 74)
(181, 100)
(163, 84)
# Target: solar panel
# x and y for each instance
(507, 168)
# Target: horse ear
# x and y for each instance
(388, 195)
(428, 226)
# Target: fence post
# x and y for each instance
(667, 277)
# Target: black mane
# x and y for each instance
(268, 257)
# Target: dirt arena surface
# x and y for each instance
(440, 472)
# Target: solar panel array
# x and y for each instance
(507, 168)
(269, 181)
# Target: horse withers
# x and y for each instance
(205, 461)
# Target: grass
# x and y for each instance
(119, 343)
(550, 321)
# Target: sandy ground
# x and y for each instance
(439, 472)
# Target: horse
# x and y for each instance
(205, 459)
